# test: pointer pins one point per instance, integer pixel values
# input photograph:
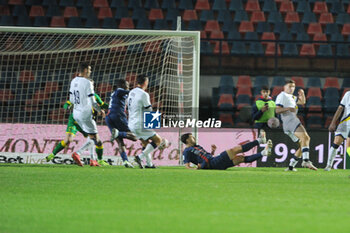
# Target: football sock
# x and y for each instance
(60, 146)
(85, 146)
(99, 152)
(252, 158)
(147, 152)
(92, 151)
(124, 156)
(250, 145)
(293, 162)
(332, 154)
(305, 153)
(142, 156)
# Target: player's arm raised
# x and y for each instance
(301, 97)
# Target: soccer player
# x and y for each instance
(197, 155)
(139, 102)
(72, 129)
(81, 94)
(342, 130)
(116, 119)
(263, 109)
(287, 106)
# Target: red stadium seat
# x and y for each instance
(252, 5)
(212, 25)
(36, 11)
(224, 48)
(331, 82)
(104, 89)
(268, 36)
(226, 118)
(286, 6)
(314, 91)
(51, 87)
(15, 2)
(4, 10)
(320, 7)
(292, 17)
(257, 16)
(40, 95)
(190, 15)
(314, 28)
(58, 115)
(348, 11)
(346, 29)
(299, 81)
(202, 5)
(319, 37)
(104, 12)
(57, 21)
(83, 43)
(131, 78)
(100, 3)
(26, 76)
(155, 14)
(153, 46)
(244, 90)
(246, 26)
(70, 12)
(244, 80)
(216, 35)
(203, 35)
(271, 49)
(6, 95)
(226, 99)
(116, 43)
(276, 90)
(326, 18)
(126, 23)
(307, 50)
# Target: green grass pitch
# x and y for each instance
(43, 198)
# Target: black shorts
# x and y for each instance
(221, 162)
(118, 122)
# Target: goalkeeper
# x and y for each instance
(73, 128)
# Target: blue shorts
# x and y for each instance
(118, 122)
(221, 162)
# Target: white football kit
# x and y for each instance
(138, 101)
(289, 119)
(81, 94)
(343, 127)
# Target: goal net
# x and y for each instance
(37, 65)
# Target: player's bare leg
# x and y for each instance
(305, 147)
(338, 140)
(68, 139)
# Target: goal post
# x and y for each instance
(37, 65)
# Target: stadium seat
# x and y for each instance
(149, 4)
(100, 3)
(256, 49)
(346, 83)
(260, 81)
(226, 80)
(121, 12)
(238, 48)
(332, 28)
(160, 24)
(251, 36)
(41, 21)
(92, 22)
(257, 16)
(267, 36)
(226, 90)
(240, 16)
(216, 35)
(225, 102)
(87, 12)
(252, 5)
(313, 82)
(246, 26)
(319, 37)
(242, 100)
(66, 3)
(342, 50)
(331, 93)
(309, 17)
(278, 81)
(57, 21)
(336, 37)
(346, 29)
(195, 25)
(115, 4)
(314, 104)
(314, 28)
(155, 14)
(297, 28)
(7, 20)
(303, 37)
(236, 5)
(331, 105)
(224, 16)
(30, 2)
(325, 18)
(24, 20)
(49, 2)
(337, 7)
(4, 10)
(320, 7)
(172, 14)
(286, 6)
(271, 49)
(263, 27)
(219, 5)
(109, 23)
(104, 12)
(36, 11)
(325, 50)
(233, 35)
(202, 5)
(168, 4)
(292, 17)
(276, 90)
(212, 25)
(15, 2)
(331, 82)
(70, 12)
(126, 23)
(314, 92)
(74, 22)
(342, 18)
(226, 120)
(53, 11)
(185, 5)
(139, 14)
(280, 28)
(314, 122)
(269, 6)
(244, 81)
(26, 76)
(303, 6)
(274, 17)
(190, 15)
(221, 48)
(206, 15)
(299, 81)
(134, 4)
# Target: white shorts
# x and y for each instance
(86, 122)
(290, 124)
(343, 129)
(141, 133)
